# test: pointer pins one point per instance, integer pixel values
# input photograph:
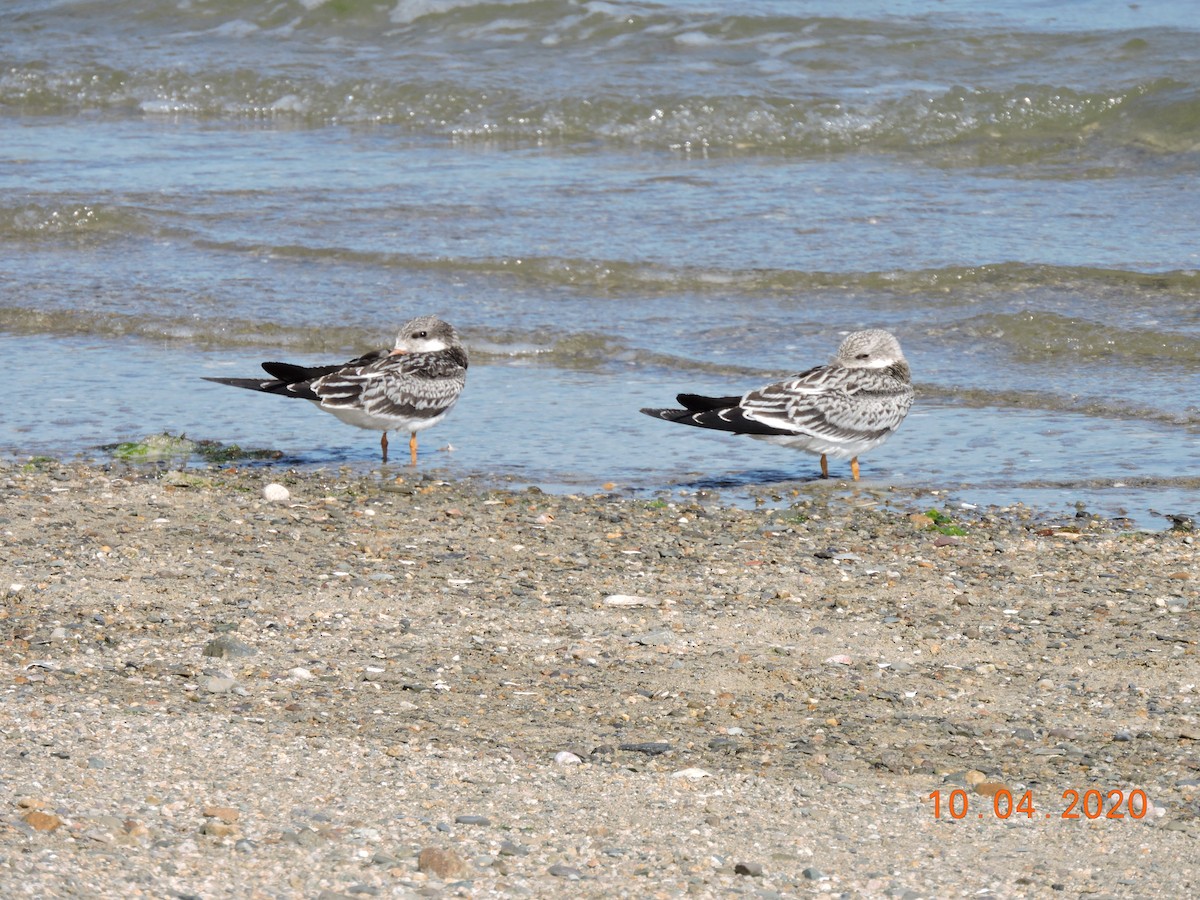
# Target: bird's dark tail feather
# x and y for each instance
(698, 403)
(728, 417)
(290, 373)
(670, 415)
(268, 386)
(250, 384)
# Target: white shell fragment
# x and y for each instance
(628, 601)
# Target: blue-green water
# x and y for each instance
(614, 202)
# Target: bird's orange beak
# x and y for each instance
(397, 352)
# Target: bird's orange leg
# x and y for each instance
(383, 445)
(854, 468)
(412, 447)
(824, 466)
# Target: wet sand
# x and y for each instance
(413, 687)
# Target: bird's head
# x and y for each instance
(425, 334)
(874, 349)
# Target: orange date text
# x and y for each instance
(1088, 804)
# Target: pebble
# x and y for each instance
(990, 788)
(41, 821)
(558, 870)
(305, 837)
(216, 684)
(473, 820)
(226, 646)
(751, 869)
(276, 493)
(567, 758)
(217, 828)
(628, 601)
(653, 638)
(692, 774)
(445, 864)
(135, 829)
(650, 748)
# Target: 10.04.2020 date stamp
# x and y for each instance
(1089, 804)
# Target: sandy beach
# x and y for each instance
(356, 685)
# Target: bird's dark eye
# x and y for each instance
(863, 356)
(421, 335)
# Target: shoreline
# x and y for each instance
(1064, 503)
(423, 686)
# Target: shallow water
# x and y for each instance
(615, 202)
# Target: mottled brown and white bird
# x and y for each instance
(409, 388)
(842, 409)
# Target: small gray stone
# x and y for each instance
(226, 646)
(753, 869)
(558, 870)
(305, 837)
(216, 684)
(653, 638)
(650, 748)
(472, 820)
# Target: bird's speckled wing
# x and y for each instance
(412, 386)
(833, 402)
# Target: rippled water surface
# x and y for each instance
(614, 202)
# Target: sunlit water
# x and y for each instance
(615, 202)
